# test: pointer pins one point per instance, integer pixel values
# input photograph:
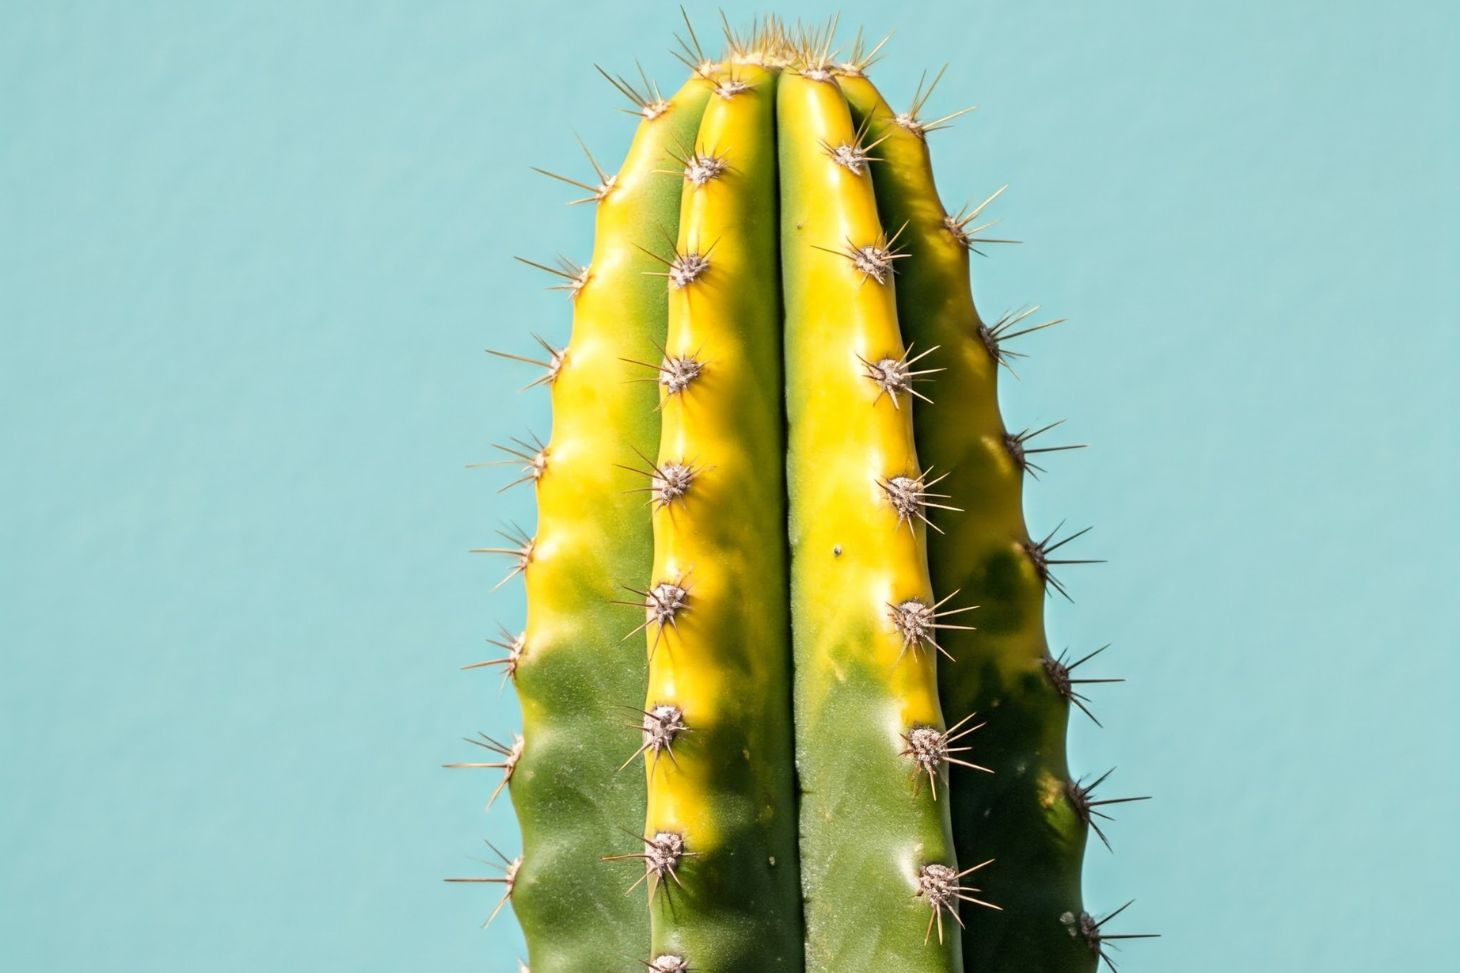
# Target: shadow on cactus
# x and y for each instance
(787, 698)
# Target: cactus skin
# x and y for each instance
(866, 827)
(785, 557)
(1020, 815)
(576, 674)
(727, 785)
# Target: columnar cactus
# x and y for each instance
(781, 562)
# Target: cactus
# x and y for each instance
(787, 699)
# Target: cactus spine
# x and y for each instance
(831, 493)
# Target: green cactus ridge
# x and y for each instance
(788, 703)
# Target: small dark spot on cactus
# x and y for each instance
(942, 886)
(663, 851)
(1080, 797)
(836, 551)
(911, 499)
(1039, 554)
(1019, 450)
(508, 879)
(931, 750)
(1091, 930)
(1059, 673)
(918, 622)
(896, 376)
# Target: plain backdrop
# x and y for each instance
(250, 256)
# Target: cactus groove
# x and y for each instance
(788, 702)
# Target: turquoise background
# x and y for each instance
(250, 254)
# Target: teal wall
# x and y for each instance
(250, 254)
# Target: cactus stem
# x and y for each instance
(1090, 929)
(662, 725)
(507, 765)
(910, 119)
(931, 750)
(663, 851)
(551, 367)
(667, 963)
(1015, 442)
(1079, 794)
(918, 622)
(894, 375)
(513, 645)
(645, 96)
(873, 260)
(508, 878)
(993, 336)
(521, 553)
(1059, 671)
(909, 496)
(941, 885)
(1039, 552)
(574, 276)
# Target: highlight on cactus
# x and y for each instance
(787, 698)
